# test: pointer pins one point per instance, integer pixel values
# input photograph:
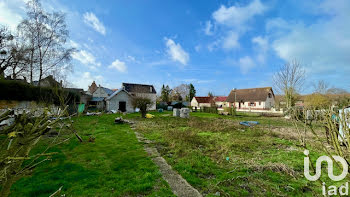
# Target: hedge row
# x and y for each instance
(20, 91)
(213, 110)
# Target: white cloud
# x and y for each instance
(262, 48)
(131, 58)
(176, 52)
(74, 44)
(208, 28)
(276, 23)
(246, 63)
(323, 45)
(84, 80)
(234, 22)
(91, 20)
(9, 17)
(236, 16)
(86, 58)
(230, 41)
(119, 65)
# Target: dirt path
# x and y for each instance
(178, 185)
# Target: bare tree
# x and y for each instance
(289, 80)
(320, 87)
(181, 92)
(13, 60)
(46, 35)
(5, 52)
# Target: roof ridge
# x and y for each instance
(253, 88)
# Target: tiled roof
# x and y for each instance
(220, 98)
(97, 99)
(204, 99)
(139, 88)
(251, 94)
(108, 91)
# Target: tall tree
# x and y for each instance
(289, 80)
(181, 92)
(13, 54)
(192, 91)
(320, 87)
(5, 52)
(46, 35)
(165, 93)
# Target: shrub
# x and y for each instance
(178, 105)
(141, 103)
(20, 91)
(213, 110)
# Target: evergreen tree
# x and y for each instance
(165, 92)
(192, 92)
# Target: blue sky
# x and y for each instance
(216, 45)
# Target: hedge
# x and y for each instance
(21, 91)
(213, 110)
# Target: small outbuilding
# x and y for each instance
(120, 100)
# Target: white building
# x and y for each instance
(199, 102)
(252, 99)
(120, 101)
(142, 90)
(98, 97)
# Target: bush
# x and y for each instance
(142, 103)
(213, 110)
(162, 106)
(179, 105)
(20, 91)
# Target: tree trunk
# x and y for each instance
(31, 66)
(143, 113)
(40, 71)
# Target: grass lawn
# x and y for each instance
(212, 152)
(216, 154)
(114, 165)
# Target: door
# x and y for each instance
(122, 106)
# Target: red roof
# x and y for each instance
(203, 99)
(220, 98)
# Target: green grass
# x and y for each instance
(115, 164)
(216, 154)
(212, 152)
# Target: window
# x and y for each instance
(269, 95)
(252, 104)
(150, 89)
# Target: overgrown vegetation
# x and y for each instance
(142, 103)
(109, 162)
(216, 154)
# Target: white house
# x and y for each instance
(142, 90)
(199, 102)
(252, 99)
(220, 101)
(98, 97)
(120, 101)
